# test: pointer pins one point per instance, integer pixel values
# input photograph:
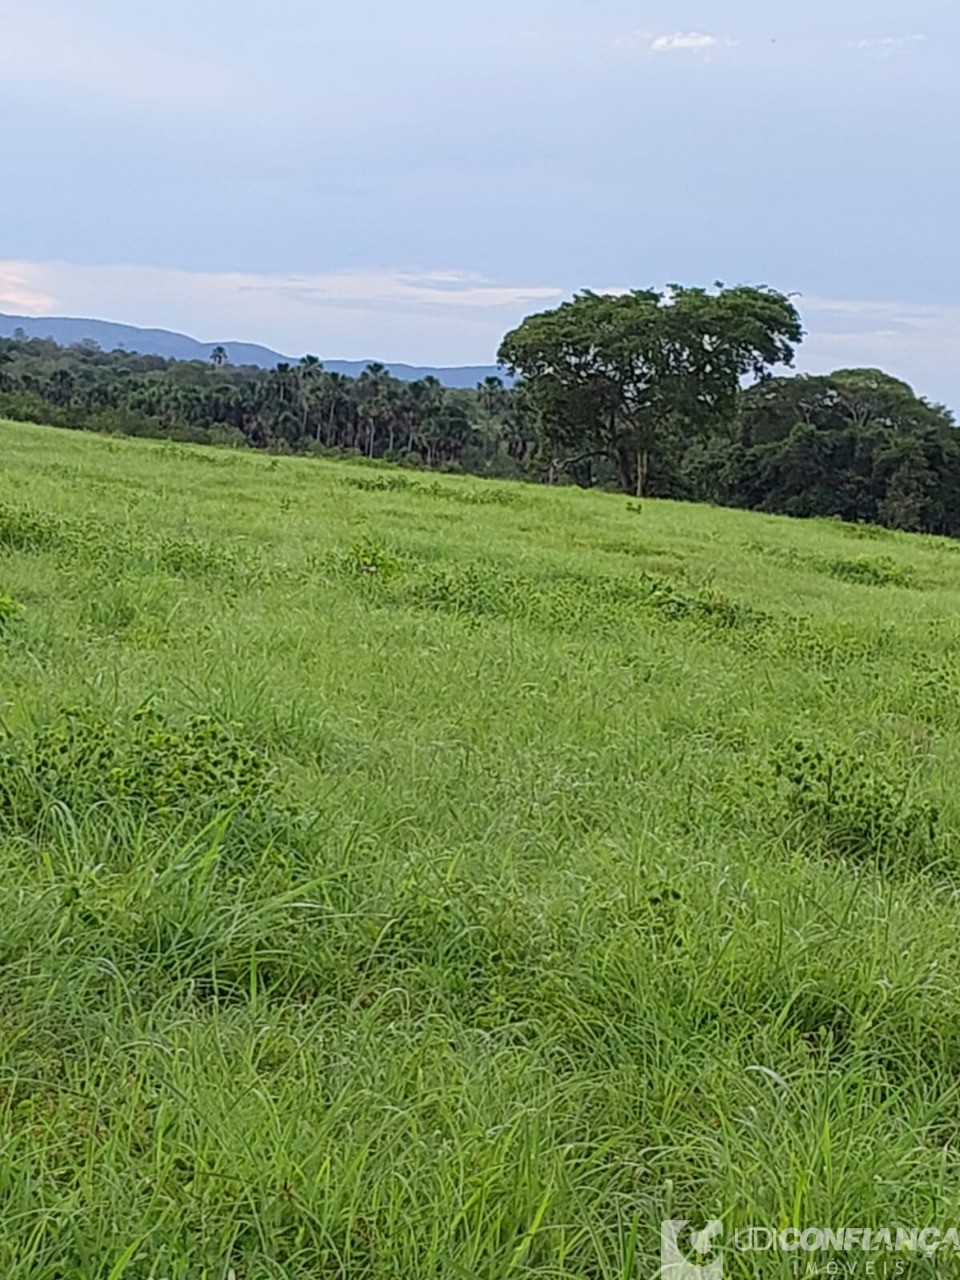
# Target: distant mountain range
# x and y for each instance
(67, 330)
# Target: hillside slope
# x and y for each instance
(420, 877)
(68, 330)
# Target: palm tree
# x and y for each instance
(374, 387)
(493, 395)
(5, 358)
(336, 408)
(309, 377)
(431, 396)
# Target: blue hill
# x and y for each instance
(68, 330)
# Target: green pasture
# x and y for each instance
(408, 876)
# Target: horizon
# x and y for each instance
(797, 367)
(413, 215)
(213, 342)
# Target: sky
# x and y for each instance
(407, 181)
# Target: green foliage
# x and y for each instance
(858, 445)
(705, 606)
(876, 571)
(609, 374)
(488, 495)
(301, 409)
(370, 558)
(400, 885)
(10, 611)
(80, 758)
(562, 601)
(381, 483)
(866, 530)
(842, 801)
(191, 558)
(23, 529)
(880, 572)
(638, 392)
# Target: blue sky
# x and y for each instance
(407, 181)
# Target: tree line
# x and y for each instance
(678, 394)
(298, 408)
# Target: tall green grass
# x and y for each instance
(454, 880)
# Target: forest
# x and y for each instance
(601, 392)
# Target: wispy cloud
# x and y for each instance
(18, 291)
(447, 290)
(886, 46)
(677, 42)
(435, 316)
(916, 341)
(684, 41)
(444, 316)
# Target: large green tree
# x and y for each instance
(607, 374)
(856, 443)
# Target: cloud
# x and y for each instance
(448, 290)
(683, 41)
(18, 292)
(689, 42)
(435, 316)
(419, 316)
(916, 341)
(887, 46)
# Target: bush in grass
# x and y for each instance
(380, 484)
(860, 808)
(147, 763)
(26, 529)
(879, 572)
(10, 611)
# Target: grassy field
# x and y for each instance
(407, 876)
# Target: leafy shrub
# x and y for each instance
(560, 601)
(26, 529)
(29, 530)
(226, 435)
(477, 590)
(488, 495)
(23, 406)
(705, 605)
(126, 422)
(370, 559)
(10, 611)
(864, 529)
(479, 496)
(840, 801)
(929, 689)
(148, 764)
(829, 646)
(189, 558)
(881, 572)
(380, 484)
